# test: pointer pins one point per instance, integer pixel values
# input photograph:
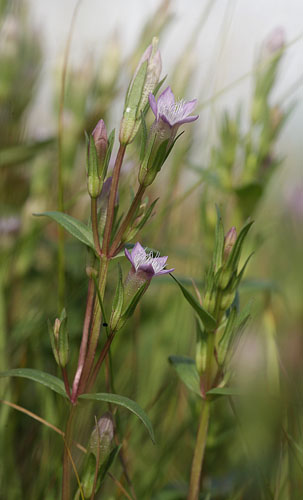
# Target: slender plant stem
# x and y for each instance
(94, 218)
(95, 329)
(101, 358)
(66, 476)
(128, 218)
(112, 199)
(84, 341)
(196, 469)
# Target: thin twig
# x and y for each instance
(117, 483)
(41, 420)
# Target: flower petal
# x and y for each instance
(188, 119)
(167, 98)
(147, 268)
(129, 257)
(165, 120)
(165, 271)
(161, 261)
(153, 104)
(189, 106)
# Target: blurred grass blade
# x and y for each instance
(53, 383)
(126, 403)
(21, 153)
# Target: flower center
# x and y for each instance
(144, 258)
(173, 112)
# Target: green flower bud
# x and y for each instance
(59, 339)
(143, 83)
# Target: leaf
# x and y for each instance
(74, 226)
(53, 383)
(187, 371)
(126, 403)
(219, 241)
(225, 391)
(207, 319)
(234, 255)
(108, 462)
(143, 137)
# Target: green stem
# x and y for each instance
(95, 328)
(94, 218)
(112, 199)
(66, 476)
(196, 469)
(131, 212)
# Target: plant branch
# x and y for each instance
(112, 199)
(128, 218)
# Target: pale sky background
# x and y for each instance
(225, 50)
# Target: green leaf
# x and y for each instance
(187, 371)
(207, 319)
(126, 403)
(75, 227)
(219, 241)
(143, 137)
(130, 309)
(53, 383)
(108, 462)
(248, 197)
(234, 255)
(110, 144)
(225, 391)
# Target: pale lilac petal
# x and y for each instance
(165, 271)
(188, 119)
(153, 104)
(161, 260)
(167, 97)
(138, 250)
(129, 257)
(190, 106)
(147, 268)
(165, 120)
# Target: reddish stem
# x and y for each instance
(112, 199)
(127, 220)
(84, 341)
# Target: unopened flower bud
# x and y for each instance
(230, 240)
(59, 339)
(276, 40)
(102, 437)
(97, 158)
(143, 83)
(100, 138)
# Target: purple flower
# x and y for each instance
(146, 263)
(170, 112)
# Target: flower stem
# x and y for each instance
(66, 476)
(196, 469)
(95, 328)
(84, 341)
(66, 382)
(112, 199)
(94, 218)
(128, 218)
(101, 358)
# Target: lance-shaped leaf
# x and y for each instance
(74, 226)
(225, 391)
(207, 319)
(234, 255)
(117, 302)
(126, 403)
(53, 383)
(227, 336)
(187, 371)
(219, 242)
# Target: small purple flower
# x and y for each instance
(146, 263)
(170, 112)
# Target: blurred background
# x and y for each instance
(243, 61)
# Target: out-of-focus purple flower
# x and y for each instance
(276, 40)
(147, 264)
(169, 113)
